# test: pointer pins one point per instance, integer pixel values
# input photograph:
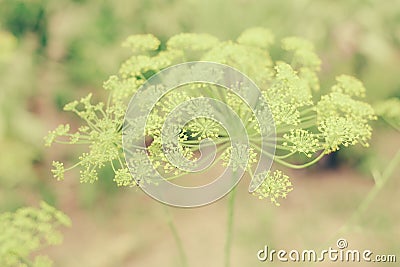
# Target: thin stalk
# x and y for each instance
(285, 156)
(307, 110)
(229, 228)
(81, 142)
(391, 123)
(380, 181)
(310, 117)
(302, 166)
(73, 166)
(290, 165)
(177, 238)
(304, 125)
(197, 142)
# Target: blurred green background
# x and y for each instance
(52, 52)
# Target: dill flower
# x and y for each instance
(349, 85)
(239, 156)
(58, 171)
(344, 131)
(302, 141)
(184, 117)
(274, 186)
(124, 178)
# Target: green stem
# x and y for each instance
(391, 123)
(285, 156)
(73, 166)
(308, 164)
(197, 142)
(380, 181)
(256, 138)
(277, 146)
(81, 142)
(284, 163)
(196, 146)
(178, 240)
(229, 229)
(311, 117)
(307, 110)
(303, 125)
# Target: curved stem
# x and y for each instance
(112, 166)
(73, 166)
(294, 166)
(285, 156)
(120, 161)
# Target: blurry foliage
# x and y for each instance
(347, 34)
(7, 46)
(24, 16)
(353, 36)
(26, 231)
(19, 128)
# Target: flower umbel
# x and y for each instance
(304, 125)
(275, 185)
